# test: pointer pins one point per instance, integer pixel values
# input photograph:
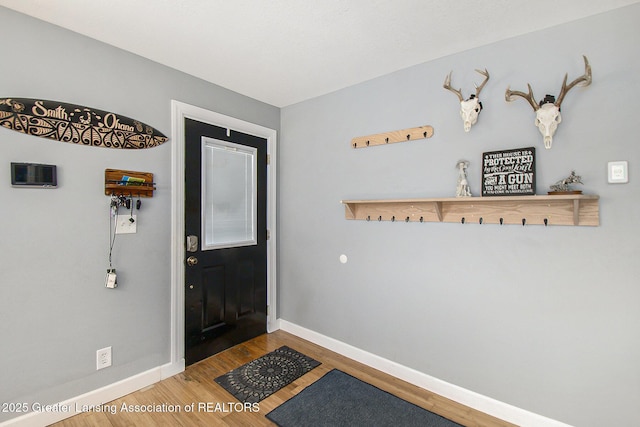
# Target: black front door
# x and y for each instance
(225, 224)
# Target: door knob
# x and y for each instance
(191, 261)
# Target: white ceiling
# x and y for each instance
(285, 51)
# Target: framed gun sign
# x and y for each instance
(509, 172)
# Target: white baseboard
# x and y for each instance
(458, 394)
(97, 397)
(171, 369)
(274, 326)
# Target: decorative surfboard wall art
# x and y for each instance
(76, 124)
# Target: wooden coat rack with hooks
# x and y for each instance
(403, 135)
(569, 209)
(120, 182)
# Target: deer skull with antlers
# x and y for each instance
(470, 108)
(548, 110)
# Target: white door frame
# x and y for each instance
(180, 111)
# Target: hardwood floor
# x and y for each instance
(214, 406)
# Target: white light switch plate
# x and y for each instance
(618, 172)
(124, 224)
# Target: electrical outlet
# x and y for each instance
(103, 358)
(125, 225)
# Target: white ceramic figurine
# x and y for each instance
(463, 184)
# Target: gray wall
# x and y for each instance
(545, 319)
(542, 318)
(54, 309)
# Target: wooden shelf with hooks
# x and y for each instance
(128, 183)
(569, 209)
(392, 137)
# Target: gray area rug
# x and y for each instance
(265, 375)
(338, 399)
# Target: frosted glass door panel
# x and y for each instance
(229, 197)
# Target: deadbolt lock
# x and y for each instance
(192, 243)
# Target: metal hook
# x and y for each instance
(408, 136)
(546, 222)
(421, 219)
(393, 218)
(368, 217)
(524, 221)
(380, 218)
(480, 220)
(462, 220)
(407, 219)
(386, 140)
(501, 221)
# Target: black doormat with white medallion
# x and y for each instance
(265, 375)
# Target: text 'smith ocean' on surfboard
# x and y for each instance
(76, 124)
